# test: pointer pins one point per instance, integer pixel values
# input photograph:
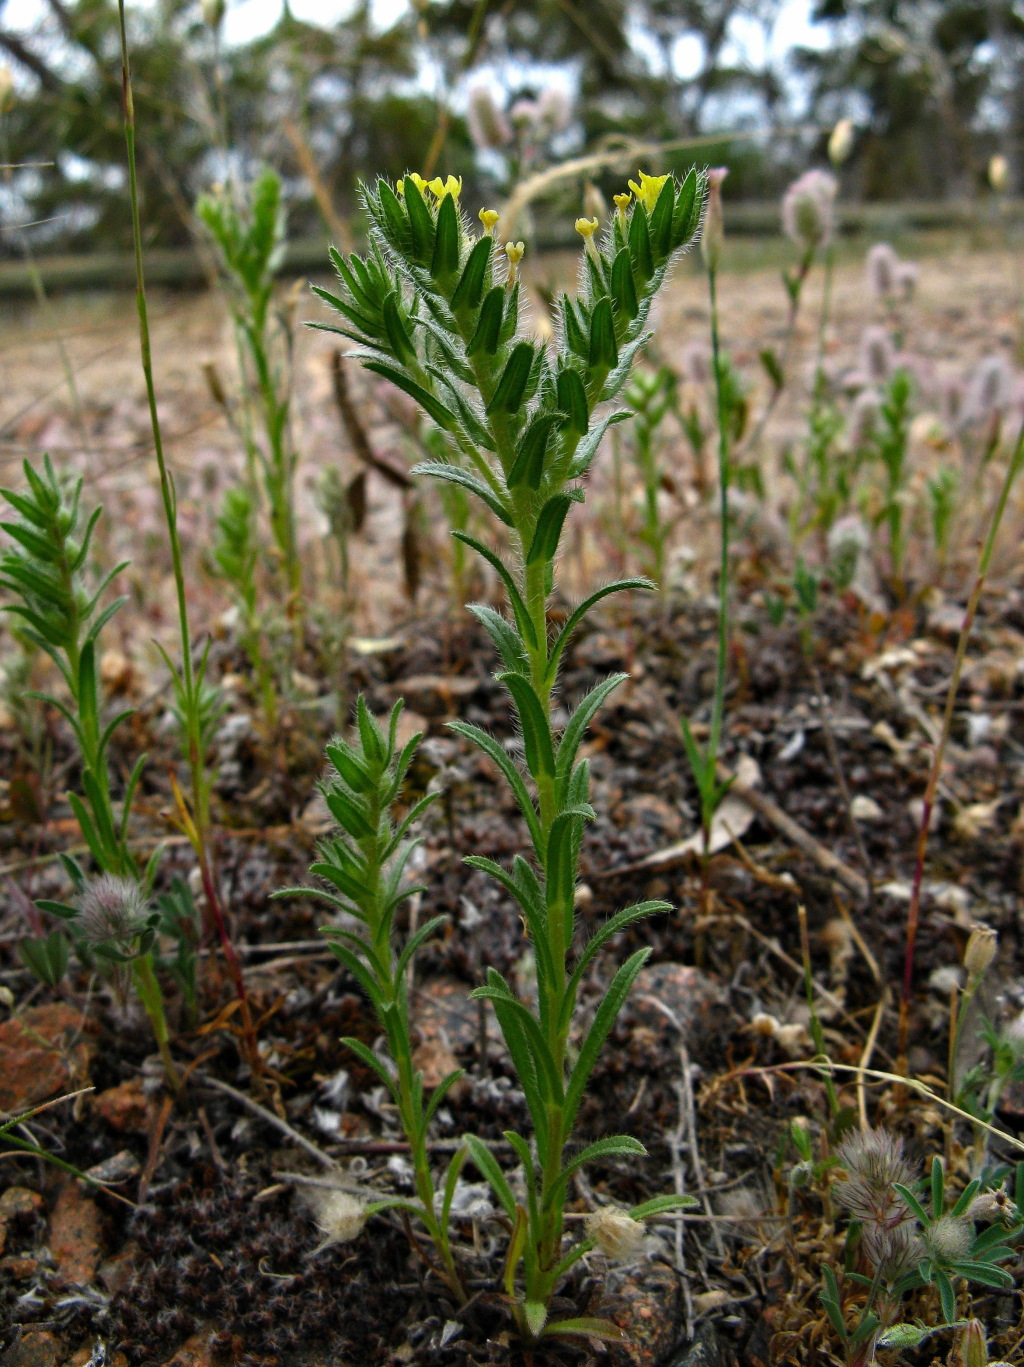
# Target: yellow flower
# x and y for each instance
(439, 188)
(622, 204)
(648, 190)
(417, 180)
(514, 251)
(488, 217)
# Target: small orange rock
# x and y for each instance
(17, 1201)
(116, 671)
(40, 1055)
(18, 1269)
(76, 1230)
(435, 1061)
(125, 1107)
(38, 1348)
(194, 1352)
(116, 1271)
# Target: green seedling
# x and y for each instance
(363, 869)
(250, 240)
(234, 555)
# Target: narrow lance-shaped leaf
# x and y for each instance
(549, 529)
(445, 260)
(470, 289)
(487, 336)
(508, 396)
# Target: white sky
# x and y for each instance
(248, 19)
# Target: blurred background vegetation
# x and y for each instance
(489, 90)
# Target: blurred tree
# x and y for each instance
(922, 78)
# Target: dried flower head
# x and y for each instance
(111, 911)
(339, 1215)
(848, 540)
(905, 279)
(808, 209)
(488, 126)
(524, 115)
(980, 951)
(840, 144)
(616, 1233)
(990, 391)
(877, 354)
(881, 271)
(949, 1238)
(554, 110)
(864, 416)
(874, 1162)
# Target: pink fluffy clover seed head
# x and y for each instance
(808, 209)
(880, 269)
(111, 911)
(488, 126)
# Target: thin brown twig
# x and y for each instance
(865, 1058)
(324, 1159)
(356, 431)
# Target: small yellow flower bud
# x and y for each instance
(840, 144)
(514, 251)
(615, 1232)
(713, 237)
(439, 188)
(399, 187)
(417, 180)
(980, 951)
(648, 190)
(489, 218)
(622, 204)
(587, 227)
(6, 90)
(999, 174)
